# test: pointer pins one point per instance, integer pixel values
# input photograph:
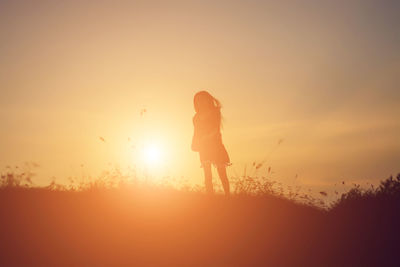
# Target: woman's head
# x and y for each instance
(204, 101)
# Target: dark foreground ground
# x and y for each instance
(159, 227)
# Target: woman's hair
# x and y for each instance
(204, 101)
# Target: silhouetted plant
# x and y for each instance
(388, 190)
(18, 177)
(390, 187)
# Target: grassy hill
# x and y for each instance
(143, 225)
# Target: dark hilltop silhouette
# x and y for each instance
(111, 222)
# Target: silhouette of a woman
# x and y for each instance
(207, 139)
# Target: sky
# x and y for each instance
(321, 76)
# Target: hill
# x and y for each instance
(159, 226)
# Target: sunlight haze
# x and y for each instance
(85, 85)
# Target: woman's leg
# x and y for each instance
(224, 178)
(208, 177)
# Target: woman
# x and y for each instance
(207, 139)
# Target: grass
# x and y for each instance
(118, 220)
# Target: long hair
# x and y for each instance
(204, 102)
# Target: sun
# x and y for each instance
(152, 154)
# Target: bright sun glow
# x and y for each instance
(152, 154)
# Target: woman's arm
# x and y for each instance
(195, 140)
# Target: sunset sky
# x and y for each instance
(324, 76)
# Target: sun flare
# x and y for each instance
(152, 154)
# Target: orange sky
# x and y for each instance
(322, 76)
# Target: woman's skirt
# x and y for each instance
(215, 154)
